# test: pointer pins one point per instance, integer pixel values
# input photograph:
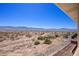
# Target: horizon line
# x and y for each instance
(38, 27)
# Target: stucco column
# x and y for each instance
(78, 25)
(77, 50)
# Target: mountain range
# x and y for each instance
(11, 28)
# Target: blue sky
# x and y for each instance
(38, 15)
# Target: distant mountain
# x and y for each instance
(63, 29)
(11, 28)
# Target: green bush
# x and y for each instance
(36, 43)
(46, 37)
(40, 38)
(47, 41)
(49, 37)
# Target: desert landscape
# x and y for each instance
(47, 29)
(31, 43)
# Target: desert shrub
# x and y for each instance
(74, 36)
(49, 37)
(40, 38)
(42, 33)
(33, 39)
(1, 37)
(65, 36)
(12, 38)
(53, 37)
(45, 37)
(28, 35)
(56, 35)
(1, 40)
(47, 41)
(68, 33)
(36, 43)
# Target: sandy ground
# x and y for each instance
(22, 44)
